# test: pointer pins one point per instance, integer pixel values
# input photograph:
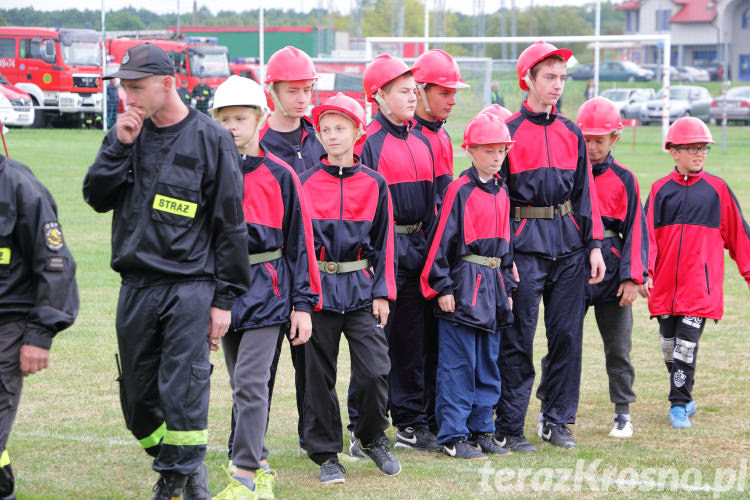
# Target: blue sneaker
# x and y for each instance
(679, 417)
(690, 408)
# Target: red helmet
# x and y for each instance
(688, 130)
(380, 71)
(486, 128)
(499, 111)
(438, 67)
(290, 64)
(599, 116)
(343, 105)
(535, 53)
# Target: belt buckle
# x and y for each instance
(494, 262)
(332, 267)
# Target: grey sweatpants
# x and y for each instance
(616, 328)
(248, 355)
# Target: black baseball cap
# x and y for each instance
(143, 60)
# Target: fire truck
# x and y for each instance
(192, 59)
(59, 68)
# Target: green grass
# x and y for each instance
(69, 440)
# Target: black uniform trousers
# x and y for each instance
(561, 284)
(11, 335)
(370, 366)
(165, 381)
(681, 333)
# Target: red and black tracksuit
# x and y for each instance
(353, 223)
(283, 273)
(691, 219)
(405, 161)
(547, 167)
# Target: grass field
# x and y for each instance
(70, 442)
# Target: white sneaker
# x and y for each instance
(623, 428)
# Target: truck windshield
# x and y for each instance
(82, 53)
(210, 64)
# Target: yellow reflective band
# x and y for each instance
(182, 438)
(4, 459)
(4, 255)
(155, 437)
(175, 206)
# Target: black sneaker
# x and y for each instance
(355, 450)
(416, 439)
(196, 487)
(489, 444)
(383, 458)
(558, 435)
(514, 443)
(464, 449)
(169, 486)
(332, 472)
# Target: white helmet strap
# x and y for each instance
(423, 93)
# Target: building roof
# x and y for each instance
(695, 11)
(629, 5)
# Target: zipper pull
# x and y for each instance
(341, 171)
(299, 155)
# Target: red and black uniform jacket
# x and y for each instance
(547, 166)
(405, 161)
(626, 257)
(473, 220)
(300, 157)
(352, 220)
(691, 219)
(276, 216)
(442, 150)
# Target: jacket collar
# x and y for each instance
(687, 179)
(538, 118)
(400, 131)
(344, 171)
(601, 167)
(492, 186)
(434, 126)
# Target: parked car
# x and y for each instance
(632, 110)
(674, 75)
(16, 106)
(715, 69)
(684, 100)
(618, 71)
(695, 74)
(738, 105)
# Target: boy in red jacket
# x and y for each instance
(692, 215)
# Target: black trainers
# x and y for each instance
(416, 439)
(558, 435)
(332, 472)
(514, 443)
(169, 486)
(489, 444)
(464, 449)
(355, 446)
(196, 487)
(383, 458)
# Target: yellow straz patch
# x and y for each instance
(5, 256)
(175, 206)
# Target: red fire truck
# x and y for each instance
(59, 68)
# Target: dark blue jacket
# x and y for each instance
(473, 220)
(301, 157)
(277, 216)
(352, 220)
(442, 148)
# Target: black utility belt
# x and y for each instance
(560, 210)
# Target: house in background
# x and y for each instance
(703, 31)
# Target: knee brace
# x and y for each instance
(684, 350)
(667, 348)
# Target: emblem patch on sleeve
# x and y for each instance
(53, 236)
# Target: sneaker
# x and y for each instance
(690, 408)
(558, 435)
(383, 458)
(196, 487)
(416, 439)
(464, 449)
(169, 486)
(514, 443)
(679, 418)
(355, 450)
(383, 439)
(488, 444)
(235, 490)
(623, 428)
(332, 472)
(264, 482)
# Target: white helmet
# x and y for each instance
(240, 91)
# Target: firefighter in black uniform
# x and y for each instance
(184, 93)
(171, 175)
(202, 95)
(38, 292)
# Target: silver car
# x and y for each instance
(638, 99)
(738, 106)
(684, 100)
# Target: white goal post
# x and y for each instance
(665, 39)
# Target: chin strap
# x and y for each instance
(258, 128)
(277, 101)
(382, 104)
(425, 102)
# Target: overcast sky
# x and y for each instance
(214, 6)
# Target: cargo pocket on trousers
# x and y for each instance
(196, 403)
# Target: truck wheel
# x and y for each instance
(40, 116)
